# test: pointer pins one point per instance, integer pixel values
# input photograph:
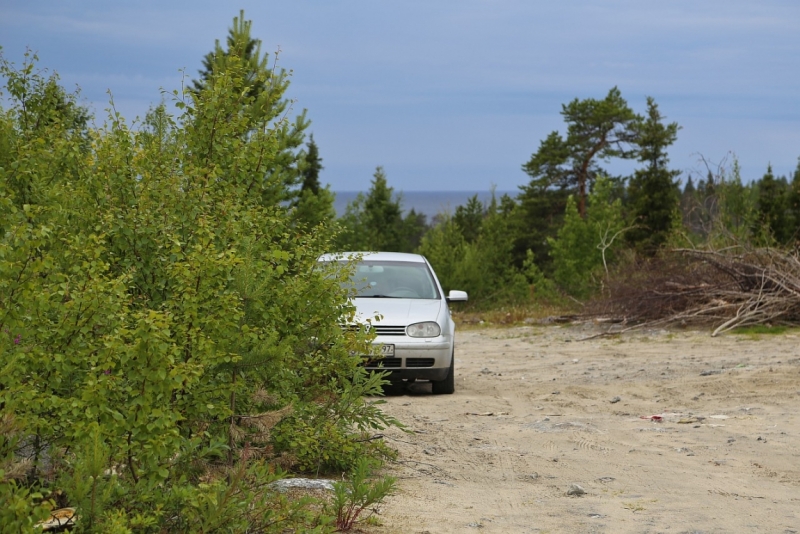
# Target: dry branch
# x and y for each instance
(725, 288)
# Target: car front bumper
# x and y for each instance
(416, 358)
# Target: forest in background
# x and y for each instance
(573, 228)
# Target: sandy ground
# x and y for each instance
(536, 411)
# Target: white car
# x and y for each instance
(416, 334)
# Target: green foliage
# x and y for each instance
(444, 247)
(653, 191)
(319, 436)
(794, 204)
(314, 204)
(596, 130)
(485, 266)
(469, 218)
(584, 247)
(21, 507)
(542, 289)
(257, 98)
(772, 208)
(374, 222)
(563, 166)
(737, 205)
(152, 286)
(352, 497)
(755, 331)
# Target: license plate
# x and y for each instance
(387, 351)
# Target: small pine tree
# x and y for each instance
(260, 90)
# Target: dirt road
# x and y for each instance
(663, 431)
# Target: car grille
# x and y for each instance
(386, 363)
(381, 330)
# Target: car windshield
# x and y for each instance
(394, 279)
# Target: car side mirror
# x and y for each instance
(457, 296)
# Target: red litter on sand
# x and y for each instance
(656, 418)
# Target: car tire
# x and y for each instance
(448, 385)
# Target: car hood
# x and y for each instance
(398, 311)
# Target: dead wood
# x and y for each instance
(724, 289)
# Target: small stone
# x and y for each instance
(615, 400)
(305, 483)
(576, 491)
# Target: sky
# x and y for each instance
(453, 95)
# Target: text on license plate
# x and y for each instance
(387, 350)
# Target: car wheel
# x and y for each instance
(448, 385)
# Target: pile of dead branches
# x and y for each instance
(725, 288)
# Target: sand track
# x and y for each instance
(533, 414)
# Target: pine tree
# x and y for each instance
(261, 88)
(247, 50)
(653, 190)
(596, 130)
(563, 166)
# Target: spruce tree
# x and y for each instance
(653, 190)
(771, 208)
(469, 218)
(374, 221)
(311, 168)
(383, 215)
(794, 205)
(314, 204)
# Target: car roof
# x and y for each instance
(374, 256)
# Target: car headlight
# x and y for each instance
(427, 329)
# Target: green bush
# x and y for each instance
(153, 295)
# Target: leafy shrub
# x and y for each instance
(151, 284)
(353, 496)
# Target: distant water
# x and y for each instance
(430, 203)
